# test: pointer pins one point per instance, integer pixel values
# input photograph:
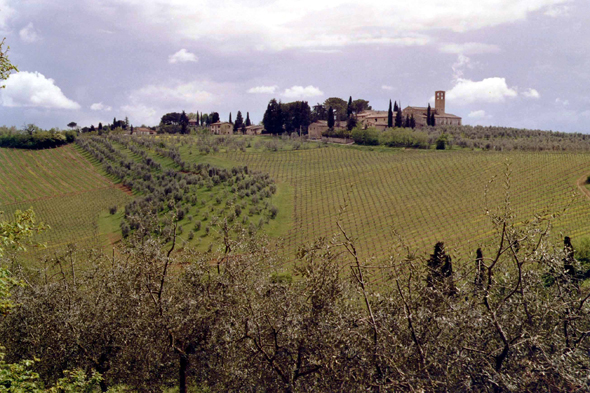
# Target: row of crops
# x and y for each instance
(28, 175)
(179, 198)
(64, 189)
(419, 196)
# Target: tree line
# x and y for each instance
(33, 137)
(514, 318)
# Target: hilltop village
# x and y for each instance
(315, 122)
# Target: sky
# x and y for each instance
(513, 63)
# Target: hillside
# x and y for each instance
(64, 188)
(419, 196)
(424, 196)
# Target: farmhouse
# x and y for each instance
(222, 128)
(316, 129)
(193, 123)
(376, 119)
(254, 130)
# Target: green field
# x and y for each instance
(423, 196)
(64, 188)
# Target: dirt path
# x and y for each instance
(580, 183)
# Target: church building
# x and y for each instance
(441, 118)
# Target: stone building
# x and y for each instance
(441, 118)
(315, 129)
(378, 119)
(254, 130)
(222, 128)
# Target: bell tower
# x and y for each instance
(439, 101)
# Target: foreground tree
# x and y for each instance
(6, 67)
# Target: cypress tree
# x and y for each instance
(99, 126)
(440, 271)
(432, 120)
(399, 122)
(407, 123)
(183, 123)
(395, 107)
(349, 107)
(412, 121)
(273, 117)
(330, 118)
(428, 116)
(230, 122)
(248, 123)
(389, 116)
(197, 119)
(239, 122)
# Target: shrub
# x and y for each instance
(113, 210)
(273, 212)
(370, 136)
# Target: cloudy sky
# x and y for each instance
(522, 63)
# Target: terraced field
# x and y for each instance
(63, 187)
(424, 196)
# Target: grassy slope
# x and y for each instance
(424, 196)
(65, 190)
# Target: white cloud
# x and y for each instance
(562, 102)
(99, 106)
(263, 89)
(6, 13)
(493, 90)
(461, 63)
(148, 104)
(386, 87)
(556, 11)
(531, 93)
(313, 24)
(182, 56)
(33, 89)
(469, 48)
(28, 34)
(479, 115)
(302, 92)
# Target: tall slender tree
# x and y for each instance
(330, 118)
(230, 122)
(239, 122)
(349, 107)
(399, 121)
(412, 121)
(428, 110)
(389, 116)
(248, 122)
(395, 107)
(183, 123)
